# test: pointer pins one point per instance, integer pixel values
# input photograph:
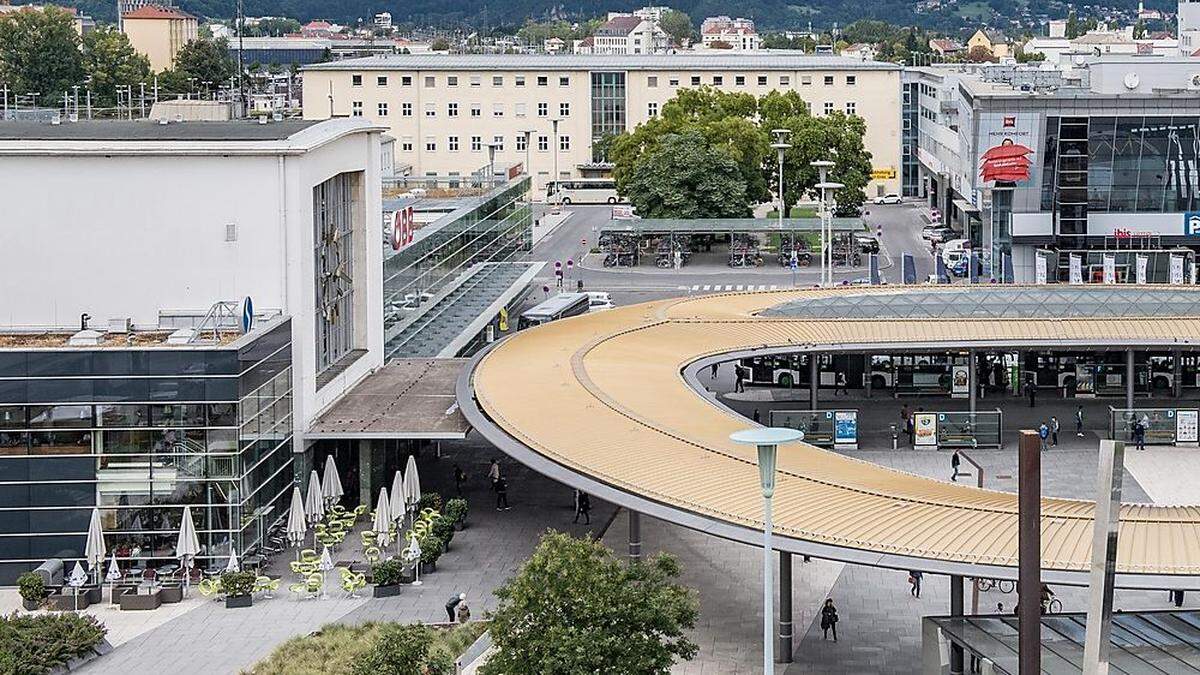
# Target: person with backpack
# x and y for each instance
(1054, 427)
(1079, 422)
(829, 619)
(501, 494)
(955, 461)
(583, 508)
(1044, 435)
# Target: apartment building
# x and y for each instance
(159, 32)
(726, 33)
(548, 111)
(627, 34)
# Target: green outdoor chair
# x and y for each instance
(210, 587)
(308, 555)
(372, 554)
(367, 537)
(353, 582)
(267, 585)
(360, 511)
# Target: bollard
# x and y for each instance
(895, 438)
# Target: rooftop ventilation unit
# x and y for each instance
(120, 325)
(86, 338)
(181, 336)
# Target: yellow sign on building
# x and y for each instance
(883, 174)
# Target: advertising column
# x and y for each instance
(1110, 268)
(1141, 268)
(1176, 269)
(1039, 268)
(1076, 271)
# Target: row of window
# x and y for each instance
(431, 81)
(740, 80)
(476, 143)
(452, 109)
(830, 107)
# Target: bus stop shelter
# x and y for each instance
(663, 227)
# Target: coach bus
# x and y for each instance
(583, 191)
(558, 307)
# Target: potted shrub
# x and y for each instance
(456, 511)
(431, 550)
(387, 575)
(443, 529)
(32, 589)
(430, 500)
(239, 588)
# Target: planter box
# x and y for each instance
(408, 575)
(428, 568)
(232, 601)
(385, 591)
(171, 593)
(66, 602)
(30, 605)
(95, 594)
(134, 601)
(120, 588)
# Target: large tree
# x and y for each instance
(678, 25)
(575, 608)
(207, 61)
(39, 52)
(687, 177)
(110, 61)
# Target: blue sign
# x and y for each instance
(247, 315)
(1191, 224)
(846, 427)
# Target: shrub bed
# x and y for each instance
(373, 648)
(32, 645)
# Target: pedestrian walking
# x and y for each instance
(502, 494)
(829, 619)
(914, 580)
(910, 429)
(738, 384)
(459, 479)
(1079, 421)
(494, 473)
(1044, 435)
(1031, 389)
(714, 370)
(955, 460)
(584, 508)
(452, 604)
(757, 417)
(1054, 427)
(462, 613)
(841, 387)
(1139, 435)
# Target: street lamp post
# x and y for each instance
(780, 146)
(767, 440)
(554, 149)
(823, 166)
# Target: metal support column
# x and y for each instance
(1029, 561)
(784, 654)
(1129, 379)
(364, 471)
(635, 535)
(1104, 556)
(813, 380)
(972, 381)
(956, 609)
(1177, 374)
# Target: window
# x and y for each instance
(695, 80)
(406, 110)
(451, 80)
(564, 109)
(652, 81)
(674, 82)
(519, 109)
(497, 110)
(543, 143)
(498, 141)
(476, 80)
(652, 109)
(828, 80)
(784, 80)
(851, 80)
(850, 107)
(356, 109)
(564, 81)
(381, 81)
(431, 110)
(406, 144)
(739, 80)
(543, 110)
(497, 80)
(542, 80)
(430, 81)
(828, 107)
(476, 143)
(356, 80)
(564, 143)
(452, 144)
(805, 80)
(383, 109)
(519, 80)
(718, 80)
(522, 144)
(476, 110)
(430, 144)
(334, 219)
(762, 80)
(406, 80)
(452, 110)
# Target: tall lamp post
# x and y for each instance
(557, 191)
(823, 166)
(780, 146)
(767, 440)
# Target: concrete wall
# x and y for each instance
(160, 39)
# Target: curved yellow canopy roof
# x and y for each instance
(604, 396)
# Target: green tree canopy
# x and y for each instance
(206, 60)
(110, 61)
(687, 177)
(678, 25)
(39, 52)
(574, 608)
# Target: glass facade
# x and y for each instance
(334, 206)
(493, 228)
(910, 167)
(608, 109)
(141, 433)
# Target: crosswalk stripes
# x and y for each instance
(728, 287)
(708, 287)
(774, 287)
(696, 287)
(739, 287)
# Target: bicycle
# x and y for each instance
(1054, 606)
(1003, 585)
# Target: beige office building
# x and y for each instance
(444, 110)
(159, 32)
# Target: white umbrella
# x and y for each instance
(187, 547)
(232, 565)
(78, 578)
(412, 483)
(398, 501)
(94, 550)
(383, 518)
(314, 506)
(331, 485)
(114, 574)
(325, 564)
(297, 527)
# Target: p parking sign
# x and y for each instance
(1191, 224)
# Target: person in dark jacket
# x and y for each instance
(829, 619)
(584, 508)
(501, 487)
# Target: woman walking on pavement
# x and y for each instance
(829, 619)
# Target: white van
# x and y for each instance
(598, 301)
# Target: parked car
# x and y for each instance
(889, 199)
(867, 243)
(599, 301)
(942, 235)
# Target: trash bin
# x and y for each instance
(895, 438)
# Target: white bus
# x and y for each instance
(557, 307)
(583, 191)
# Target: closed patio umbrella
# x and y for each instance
(114, 574)
(383, 519)
(77, 578)
(314, 505)
(331, 484)
(297, 527)
(187, 547)
(412, 483)
(399, 498)
(233, 565)
(95, 550)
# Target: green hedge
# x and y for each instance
(36, 644)
(371, 647)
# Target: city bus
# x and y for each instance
(583, 191)
(557, 307)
